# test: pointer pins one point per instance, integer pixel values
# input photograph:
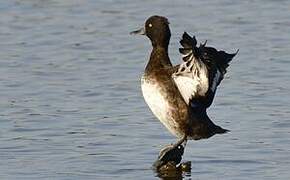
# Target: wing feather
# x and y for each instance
(198, 77)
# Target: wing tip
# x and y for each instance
(187, 41)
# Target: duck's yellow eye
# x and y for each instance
(150, 25)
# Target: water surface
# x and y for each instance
(70, 98)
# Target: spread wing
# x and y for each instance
(198, 77)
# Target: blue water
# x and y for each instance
(70, 100)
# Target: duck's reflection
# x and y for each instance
(171, 171)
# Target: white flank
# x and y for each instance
(159, 105)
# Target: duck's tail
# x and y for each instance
(220, 130)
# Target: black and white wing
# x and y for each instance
(201, 72)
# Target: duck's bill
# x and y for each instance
(139, 31)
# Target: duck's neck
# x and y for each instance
(158, 59)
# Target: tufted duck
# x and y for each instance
(180, 95)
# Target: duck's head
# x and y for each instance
(156, 28)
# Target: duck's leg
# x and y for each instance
(182, 142)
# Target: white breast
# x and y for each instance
(159, 105)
